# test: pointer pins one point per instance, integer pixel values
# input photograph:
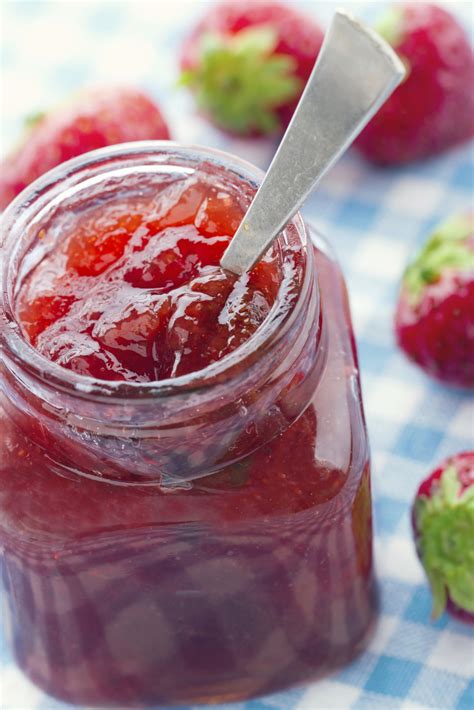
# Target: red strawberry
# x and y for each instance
(247, 64)
(434, 108)
(443, 523)
(96, 118)
(434, 320)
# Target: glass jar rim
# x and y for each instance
(47, 188)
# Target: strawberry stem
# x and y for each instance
(445, 527)
(32, 119)
(240, 81)
(390, 25)
(448, 247)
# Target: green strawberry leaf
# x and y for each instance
(445, 524)
(32, 119)
(390, 25)
(449, 247)
(240, 82)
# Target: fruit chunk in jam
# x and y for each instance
(133, 289)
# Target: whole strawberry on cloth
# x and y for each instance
(434, 320)
(443, 524)
(93, 119)
(247, 64)
(433, 109)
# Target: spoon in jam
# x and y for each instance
(354, 75)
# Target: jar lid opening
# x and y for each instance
(68, 183)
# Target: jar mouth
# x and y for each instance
(69, 178)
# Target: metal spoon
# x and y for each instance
(355, 73)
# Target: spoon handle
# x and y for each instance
(355, 73)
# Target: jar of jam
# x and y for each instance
(185, 512)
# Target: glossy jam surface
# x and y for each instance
(133, 290)
(250, 576)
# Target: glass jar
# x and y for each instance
(205, 538)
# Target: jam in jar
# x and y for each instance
(185, 512)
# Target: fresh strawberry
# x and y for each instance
(443, 523)
(94, 119)
(434, 108)
(247, 64)
(434, 320)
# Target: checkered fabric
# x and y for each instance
(375, 219)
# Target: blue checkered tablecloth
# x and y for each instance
(375, 219)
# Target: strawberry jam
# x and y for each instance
(185, 509)
(134, 290)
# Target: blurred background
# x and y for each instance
(52, 48)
